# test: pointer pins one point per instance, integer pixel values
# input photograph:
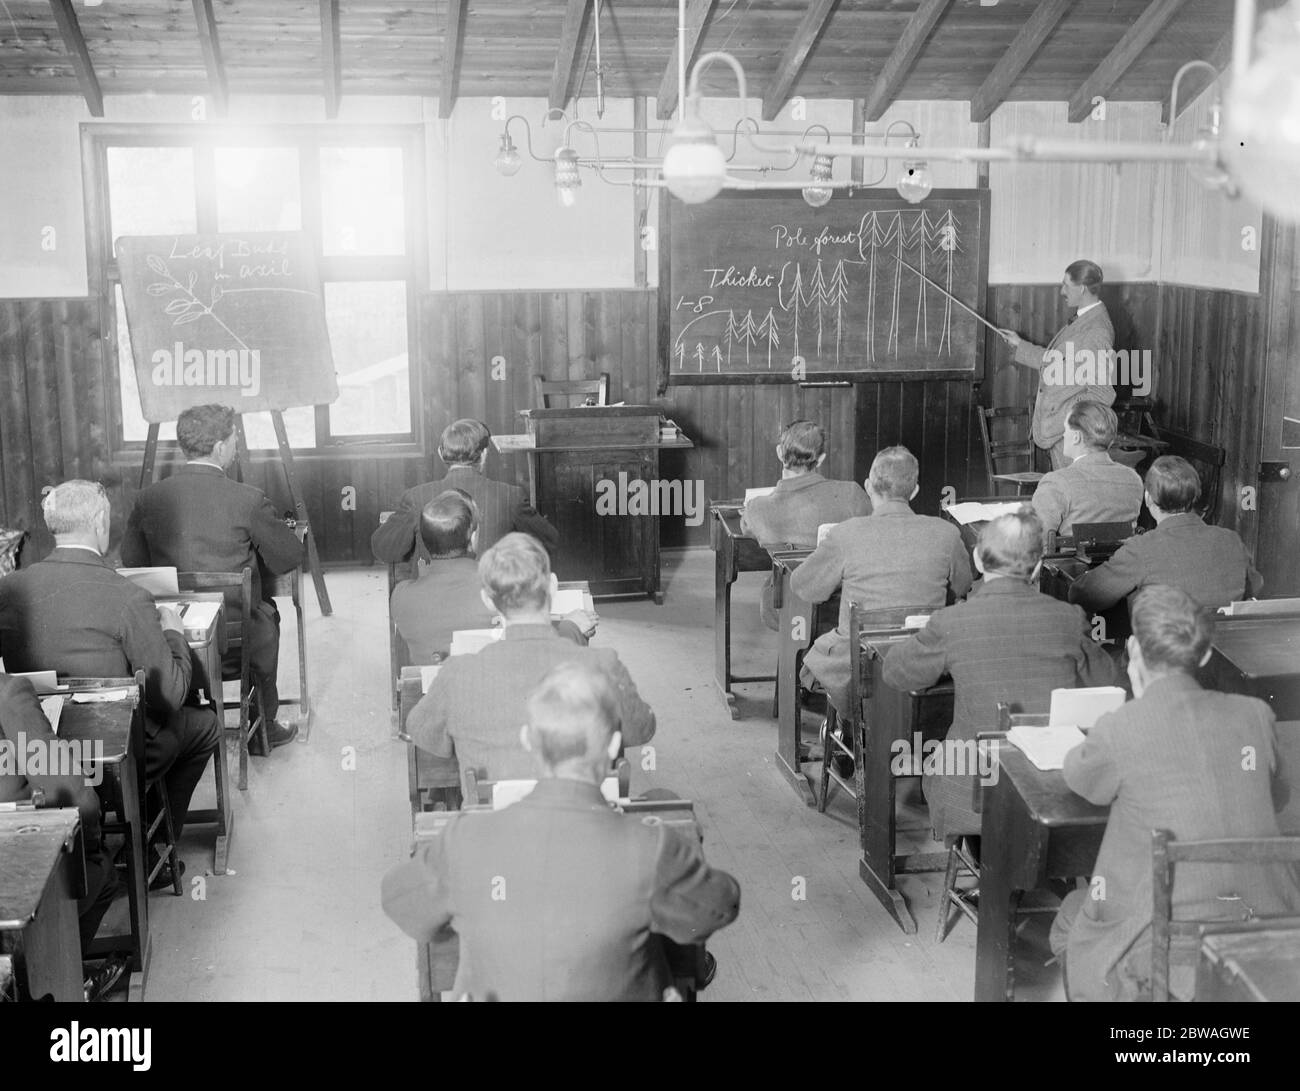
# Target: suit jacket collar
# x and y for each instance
(63, 555)
(558, 792)
(200, 468)
(1182, 519)
(892, 507)
(803, 481)
(460, 469)
(1005, 585)
(1166, 685)
(1094, 458)
(530, 631)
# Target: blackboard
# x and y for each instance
(761, 287)
(231, 318)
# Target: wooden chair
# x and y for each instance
(1180, 940)
(399, 655)
(432, 783)
(590, 391)
(961, 855)
(237, 636)
(1008, 460)
(861, 623)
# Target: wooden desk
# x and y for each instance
(1253, 966)
(1034, 828)
(883, 716)
(120, 731)
(733, 553)
(430, 780)
(290, 584)
(798, 619)
(209, 647)
(437, 962)
(569, 452)
(1258, 656)
(42, 870)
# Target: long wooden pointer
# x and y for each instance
(963, 306)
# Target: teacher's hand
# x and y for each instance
(1010, 337)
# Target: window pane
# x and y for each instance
(299, 423)
(257, 189)
(151, 191)
(135, 429)
(367, 327)
(362, 205)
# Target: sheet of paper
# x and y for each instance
(823, 530)
(52, 706)
(1084, 707)
(916, 621)
(567, 600)
(750, 494)
(1046, 747)
(103, 696)
(42, 681)
(427, 675)
(469, 641)
(157, 581)
(971, 511)
(197, 617)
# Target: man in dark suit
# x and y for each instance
(890, 558)
(199, 520)
(1071, 367)
(474, 706)
(559, 897)
(801, 502)
(502, 508)
(73, 614)
(1006, 642)
(23, 726)
(1209, 563)
(1092, 487)
(1200, 764)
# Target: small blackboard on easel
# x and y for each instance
(231, 318)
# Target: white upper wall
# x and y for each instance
(1138, 222)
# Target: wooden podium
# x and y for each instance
(585, 461)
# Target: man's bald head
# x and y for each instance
(1011, 544)
(574, 714)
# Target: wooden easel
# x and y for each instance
(286, 460)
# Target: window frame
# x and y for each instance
(411, 267)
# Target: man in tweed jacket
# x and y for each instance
(1202, 765)
(1092, 488)
(1007, 642)
(1071, 367)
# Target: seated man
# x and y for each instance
(801, 502)
(23, 726)
(1208, 563)
(200, 520)
(502, 508)
(887, 559)
(1007, 642)
(474, 706)
(73, 614)
(447, 595)
(560, 897)
(1091, 488)
(1170, 759)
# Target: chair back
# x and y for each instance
(134, 682)
(586, 391)
(1208, 461)
(428, 778)
(399, 655)
(236, 629)
(1009, 452)
(1168, 933)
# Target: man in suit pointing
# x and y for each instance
(1077, 364)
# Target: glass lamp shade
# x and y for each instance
(1262, 139)
(819, 195)
(915, 183)
(694, 168)
(567, 180)
(507, 161)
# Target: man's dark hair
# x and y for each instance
(1173, 632)
(447, 522)
(202, 427)
(801, 444)
(1087, 273)
(1097, 423)
(463, 441)
(1173, 484)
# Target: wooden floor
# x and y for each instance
(298, 918)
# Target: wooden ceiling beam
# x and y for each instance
(795, 56)
(566, 56)
(697, 14)
(75, 43)
(901, 60)
(331, 63)
(993, 91)
(210, 44)
(1119, 60)
(452, 42)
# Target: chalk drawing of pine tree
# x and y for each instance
(789, 296)
(817, 294)
(748, 333)
(768, 328)
(836, 296)
(731, 334)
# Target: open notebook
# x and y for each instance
(971, 511)
(1073, 712)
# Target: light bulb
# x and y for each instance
(915, 183)
(567, 180)
(819, 195)
(694, 168)
(507, 161)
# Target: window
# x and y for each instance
(357, 191)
